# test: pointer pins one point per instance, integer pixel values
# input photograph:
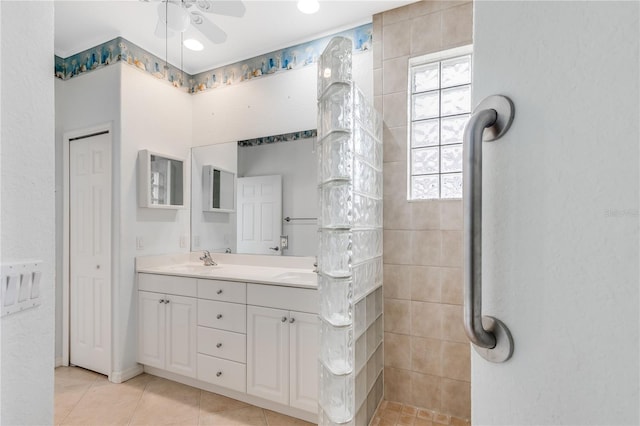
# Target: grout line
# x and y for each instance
(199, 406)
(133, 413)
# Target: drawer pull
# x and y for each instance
(219, 291)
(219, 316)
(219, 373)
(219, 345)
(284, 319)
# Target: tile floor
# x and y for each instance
(397, 414)
(86, 398)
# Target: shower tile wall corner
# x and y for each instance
(427, 357)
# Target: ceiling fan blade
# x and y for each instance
(222, 7)
(208, 28)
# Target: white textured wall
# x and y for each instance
(83, 102)
(280, 103)
(561, 212)
(157, 117)
(27, 205)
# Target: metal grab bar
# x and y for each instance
(289, 219)
(490, 337)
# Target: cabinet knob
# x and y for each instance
(161, 301)
(219, 291)
(219, 373)
(219, 345)
(292, 320)
(219, 316)
(167, 301)
(284, 319)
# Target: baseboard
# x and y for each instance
(58, 362)
(123, 376)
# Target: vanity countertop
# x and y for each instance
(296, 272)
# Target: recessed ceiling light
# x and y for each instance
(193, 44)
(308, 6)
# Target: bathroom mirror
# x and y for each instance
(219, 190)
(293, 158)
(160, 180)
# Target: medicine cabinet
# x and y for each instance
(160, 181)
(218, 190)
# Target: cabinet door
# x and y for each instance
(151, 335)
(304, 373)
(181, 324)
(268, 353)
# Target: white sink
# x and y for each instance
(190, 268)
(297, 277)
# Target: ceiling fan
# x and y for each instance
(176, 16)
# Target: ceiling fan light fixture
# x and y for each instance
(193, 44)
(176, 17)
(308, 6)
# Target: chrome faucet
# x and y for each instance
(206, 258)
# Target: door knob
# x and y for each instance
(219, 373)
(219, 316)
(219, 345)
(219, 291)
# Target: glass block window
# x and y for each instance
(439, 108)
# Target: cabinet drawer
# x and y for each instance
(225, 291)
(168, 284)
(222, 344)
(222, 372)
(280, 297)
(222, 315)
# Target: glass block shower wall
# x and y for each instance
(350, 252)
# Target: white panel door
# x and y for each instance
(268, 353)
(90, 252)
(181, 324)
(303, 358)
(259, 215)
(560, 212)
(151, 329)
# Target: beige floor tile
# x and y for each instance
(214, 403)
(277, 419)
(249, 416)
(112, 404)
(65, 399)
(165, 402)
(74, 376)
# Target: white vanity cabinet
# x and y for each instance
(222, 314)
(254, 342)
(282, 345)
(167, 324)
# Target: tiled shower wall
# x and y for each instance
(426, 351)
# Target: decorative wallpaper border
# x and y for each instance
(294, 57)
(287, 137)
(122, 50)
(118, 50)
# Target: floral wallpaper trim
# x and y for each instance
(122, 50)
(287, 137)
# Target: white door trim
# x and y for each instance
(66, 140)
